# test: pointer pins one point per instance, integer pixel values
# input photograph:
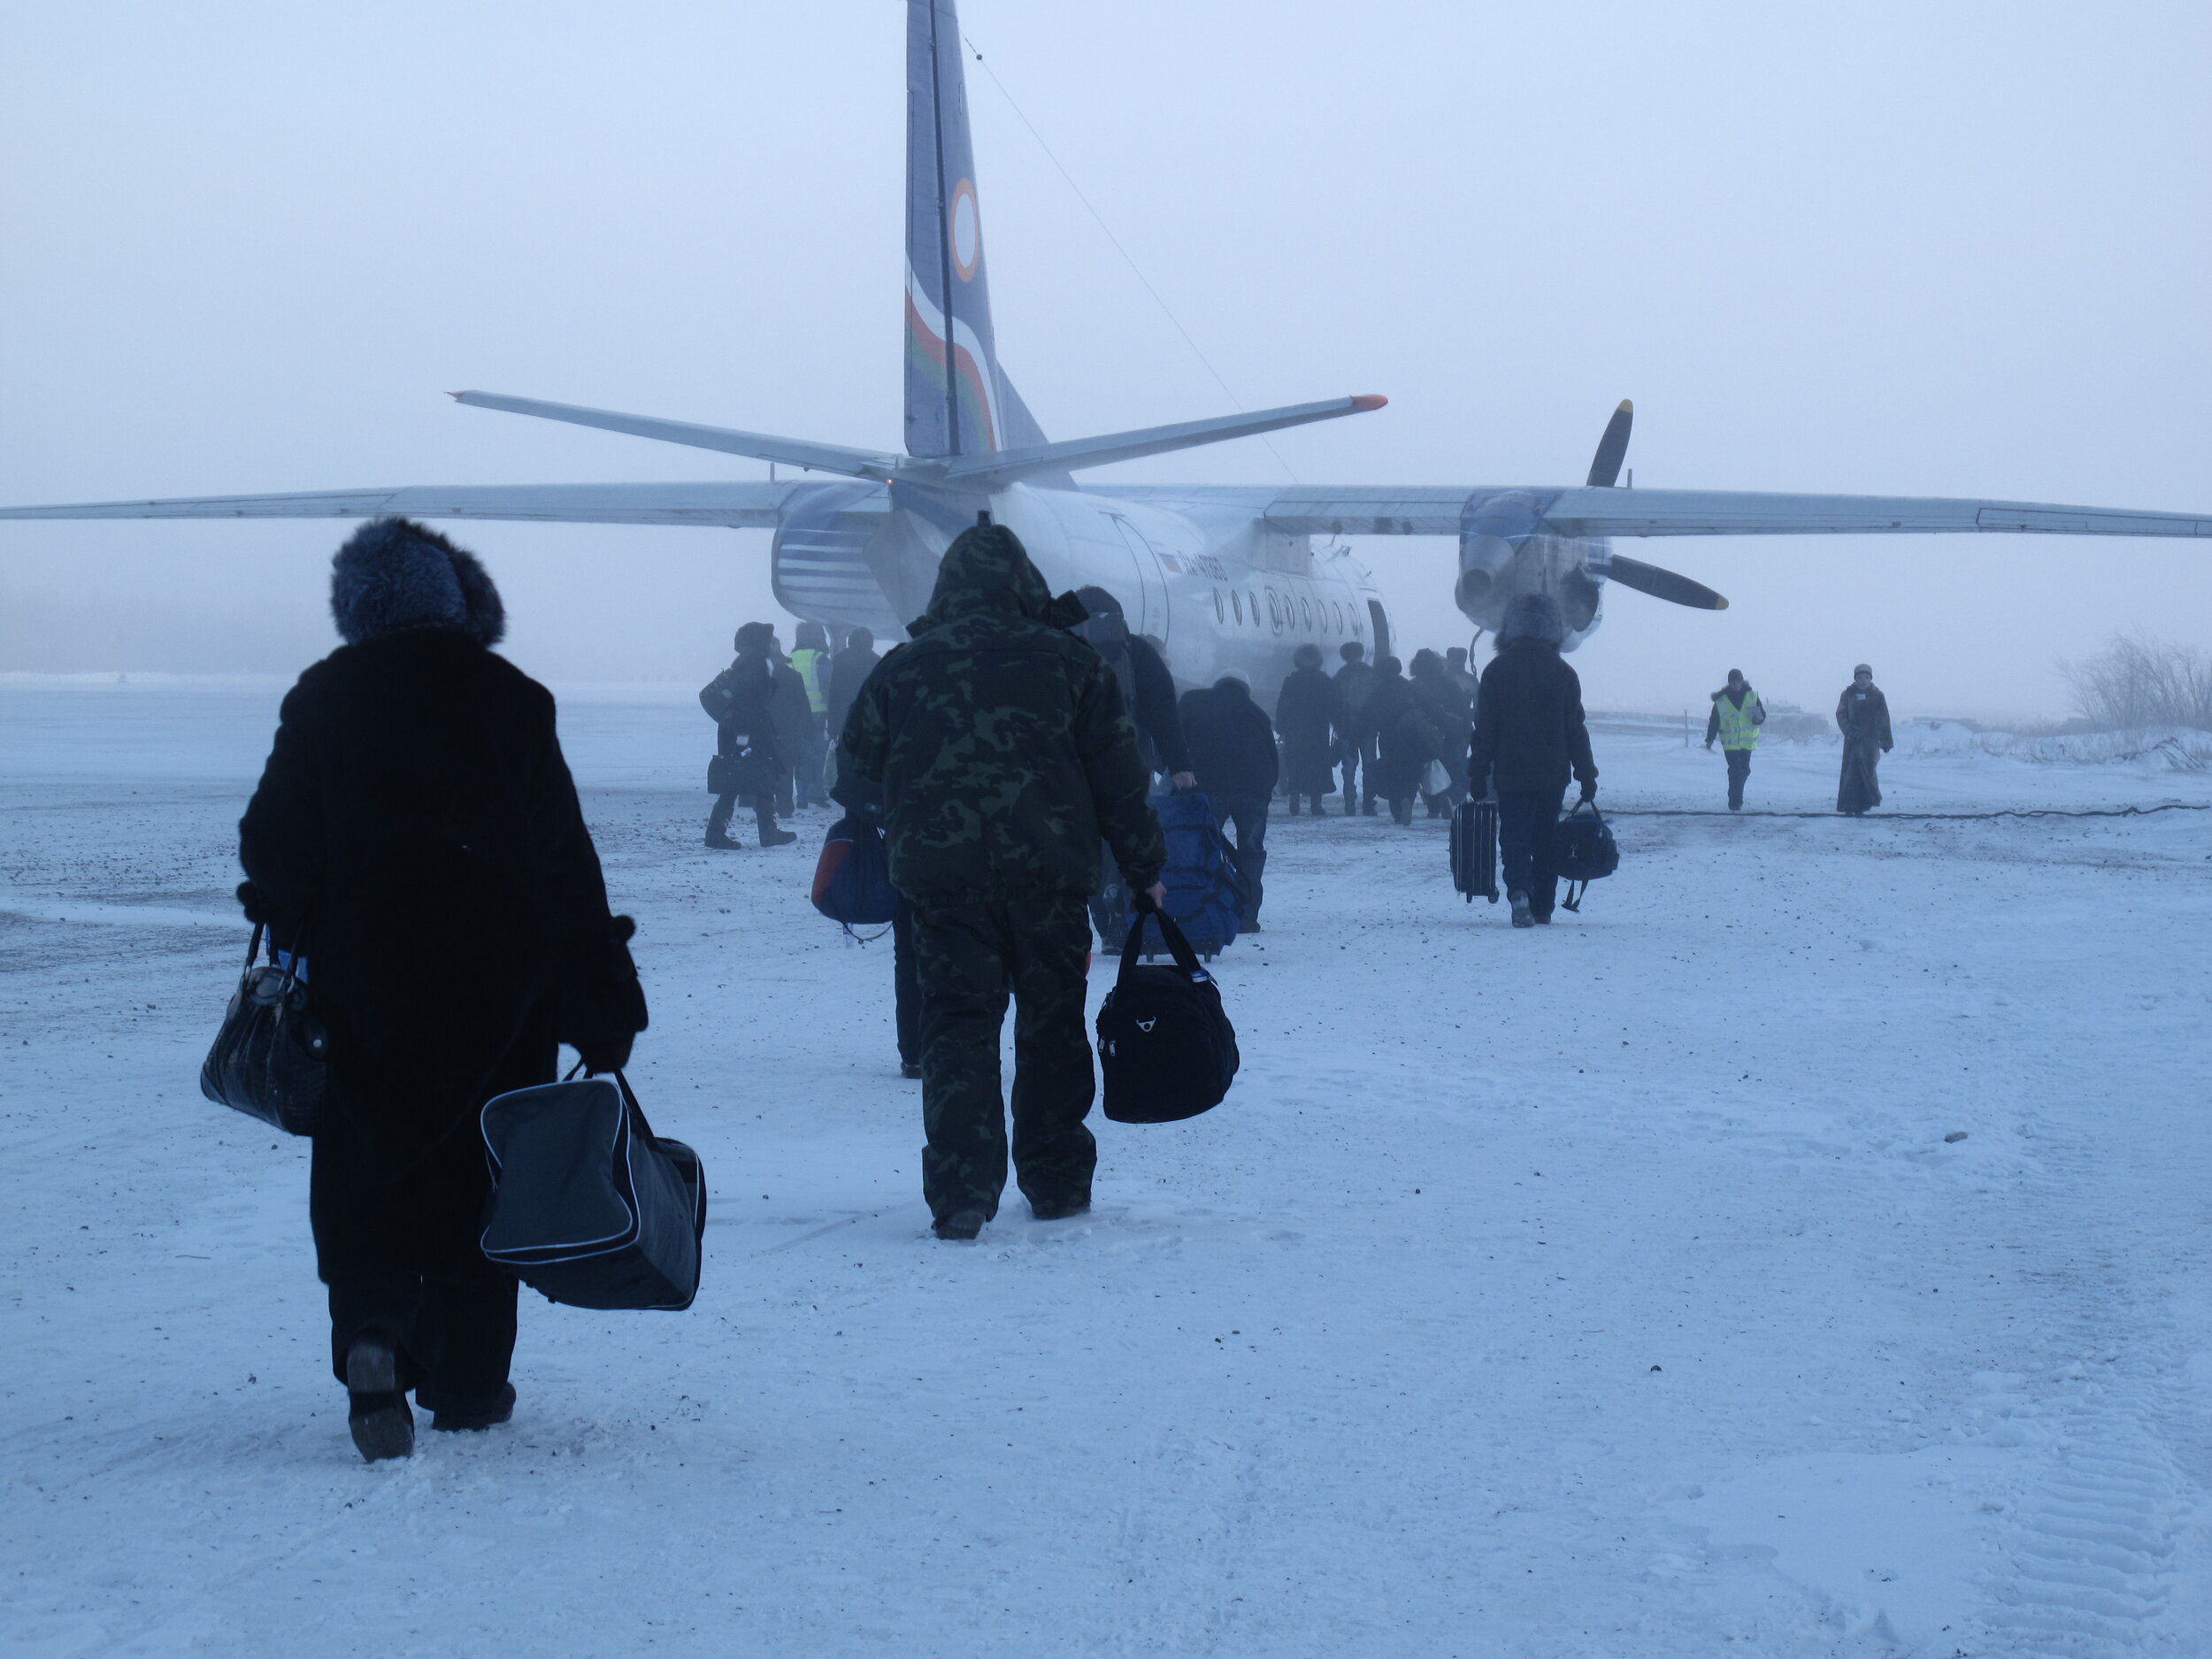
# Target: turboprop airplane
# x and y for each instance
(1225, 578)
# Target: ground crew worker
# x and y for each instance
(1863, 716)
(811, 661)
(1737, 716)
(1004, 757)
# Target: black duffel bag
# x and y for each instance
(588, 1206)
(1583, 850)
(271, 1058)
(1164, 1043)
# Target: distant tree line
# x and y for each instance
(2140, 680)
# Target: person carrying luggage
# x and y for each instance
(1530, 738)
(1405, 743)
(416, 837)
(1232, 756)
(1737, 716)
(748, 760)
(1450, 716)
(1863, 716)
(1000, 743)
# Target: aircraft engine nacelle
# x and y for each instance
(1506, 549)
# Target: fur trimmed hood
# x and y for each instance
(1532, 617)
(393, 573)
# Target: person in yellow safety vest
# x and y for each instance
(1737, 716)
(811, 661)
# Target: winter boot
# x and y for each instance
(722, 843)
(962, 1223)
(910, 1069)
(1523, 916)
(376, 1408)
(1293, 806)
(1060, 1210)
(452, 1418)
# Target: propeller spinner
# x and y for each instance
(1605, 472)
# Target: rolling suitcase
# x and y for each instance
(1475, 850)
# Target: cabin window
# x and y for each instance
(1305, 615)
(1237, 600)
(1221, 612)
(1274, 612)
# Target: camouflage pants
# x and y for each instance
(970, 956)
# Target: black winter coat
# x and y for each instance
(416, 834)
(1529, 727)
(1404, 742)
(741, 702)
(1445, 708)
(1152, 707)
(848, 670)
(794, 712)
(1232, 740)
(1354, 684)
(1309, 716)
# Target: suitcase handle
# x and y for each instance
(1179, 947)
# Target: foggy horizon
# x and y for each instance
(1884, 252)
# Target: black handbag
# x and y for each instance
(588, 1206)
(1475, 850)
(1165, 1045)
(1583, 850)
(271, 1058)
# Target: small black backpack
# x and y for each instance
(1164, 1043)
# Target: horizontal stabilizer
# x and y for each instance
(987, 472)
(733, 506)
(823, 457)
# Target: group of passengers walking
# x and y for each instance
(772, 715)
(417, 846)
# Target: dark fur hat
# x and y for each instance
(1307, 656)
(1532, 617)
(393, 573)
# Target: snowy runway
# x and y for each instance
(1607, 1290)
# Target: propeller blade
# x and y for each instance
(1605, 470)
(1664, 584)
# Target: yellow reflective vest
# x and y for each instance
(808, 662)
(1739, 727)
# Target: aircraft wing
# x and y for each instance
(1431, 510)
(728, 505)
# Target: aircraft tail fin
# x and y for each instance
(958, 402)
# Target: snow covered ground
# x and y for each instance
(1801, 1252)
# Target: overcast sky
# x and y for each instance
(1913, 248)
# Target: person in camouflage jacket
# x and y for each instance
(1005, 758)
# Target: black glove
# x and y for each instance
(1589, 792)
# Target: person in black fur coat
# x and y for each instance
(417, 838)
